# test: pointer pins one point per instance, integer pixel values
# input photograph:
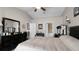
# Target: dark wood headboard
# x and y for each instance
(74, 31)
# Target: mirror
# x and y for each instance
(10, 25)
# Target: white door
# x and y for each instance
(32, 29)
(49, 30)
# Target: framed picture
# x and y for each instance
(76, 11)
(40, 26)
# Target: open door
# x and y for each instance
(49, 27)
(32, 29)
(49, 31)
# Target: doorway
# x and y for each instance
(49, 31)
(32, 29)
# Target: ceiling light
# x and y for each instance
(38, 7)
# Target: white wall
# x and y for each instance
(56, 21)
(15, 14)
(69, 13)
(24, 18)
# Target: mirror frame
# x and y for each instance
(3, 22)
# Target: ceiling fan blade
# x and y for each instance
(35, 10)
(43, 8)
(40, 8)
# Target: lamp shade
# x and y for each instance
(67, 19)
(1, 24)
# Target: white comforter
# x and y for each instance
(28, 46)
(71, 42)
(64, 43)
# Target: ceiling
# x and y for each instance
(50, 11)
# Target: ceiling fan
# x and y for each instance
(42, 8)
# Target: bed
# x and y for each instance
(64, 43)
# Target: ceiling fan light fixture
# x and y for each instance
(38, 7)
(43, 8)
